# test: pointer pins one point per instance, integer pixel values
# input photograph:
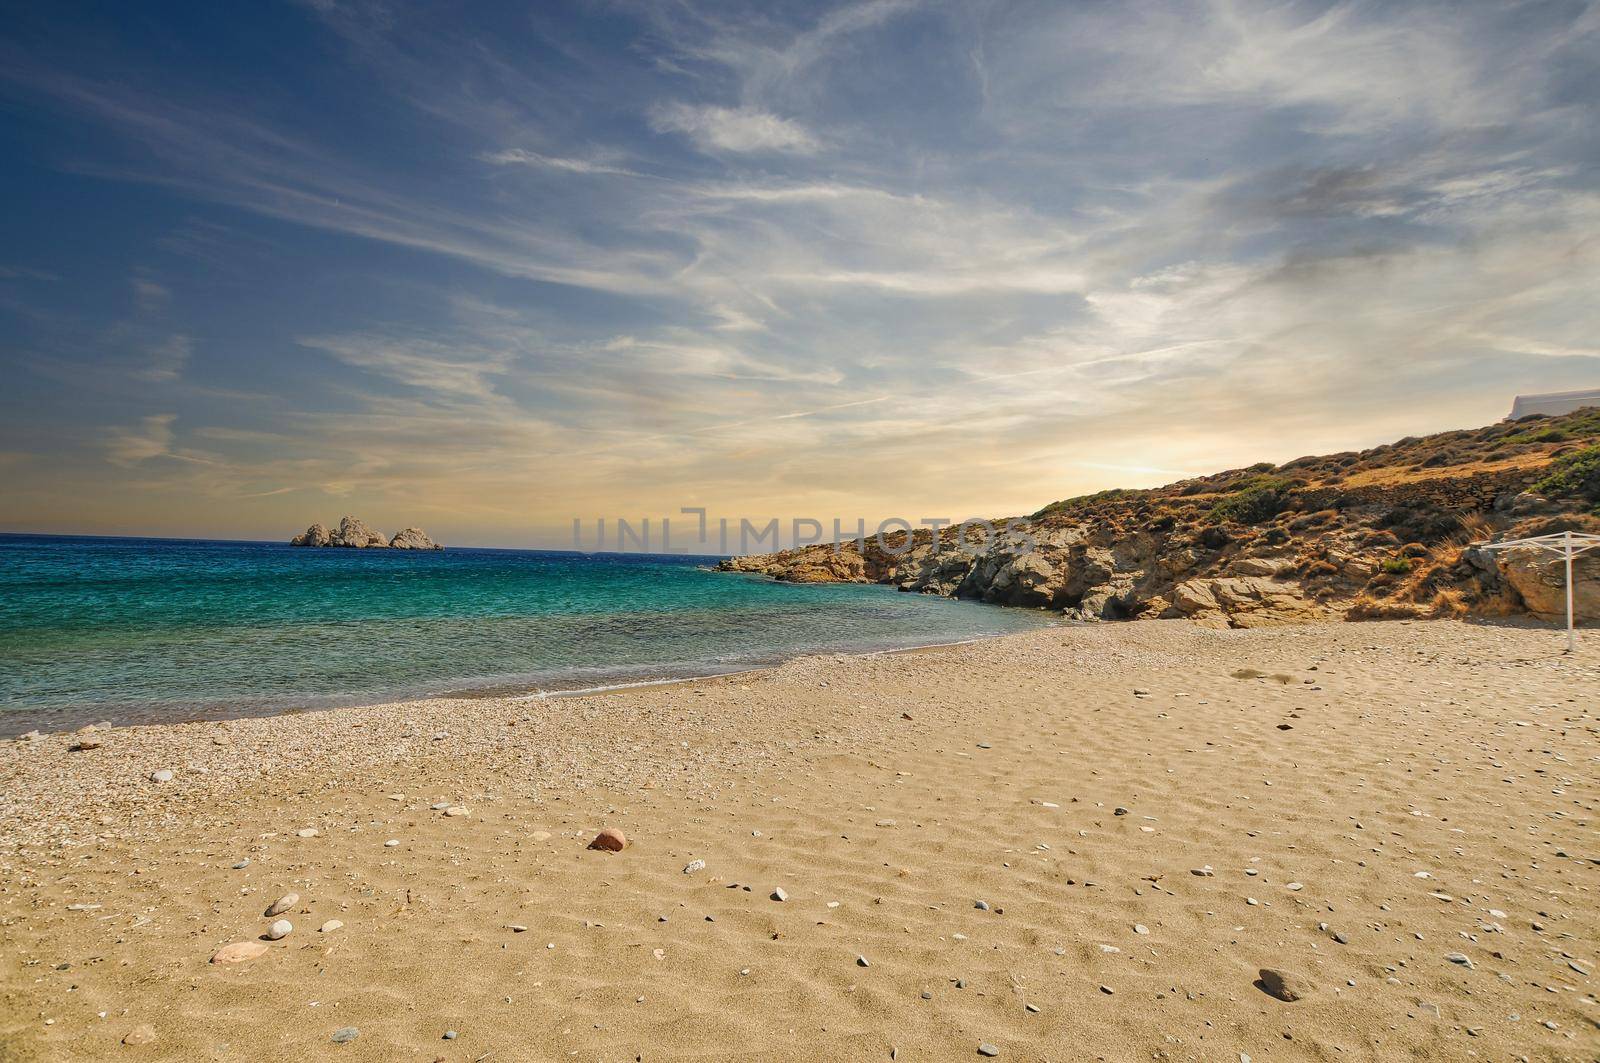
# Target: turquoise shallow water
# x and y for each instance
(155, 629)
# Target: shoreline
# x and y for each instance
(1150, 814)
(75, 718)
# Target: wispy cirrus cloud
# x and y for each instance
(865, 255)
(734, 129)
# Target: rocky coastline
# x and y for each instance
(1383, 533)
(354, 534)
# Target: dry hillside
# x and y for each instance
(1365, 534)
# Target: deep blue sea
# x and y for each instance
(145, 630)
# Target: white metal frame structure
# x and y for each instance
(1569, 544)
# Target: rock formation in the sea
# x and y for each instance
(354, 533)
(1375, 534)
(316, 535)
(414, 539)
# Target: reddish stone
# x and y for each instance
(611, 840)
(239, 952)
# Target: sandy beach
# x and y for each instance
(1078, 843)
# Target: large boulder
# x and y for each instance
(353, 532)
(1539, 578)
(414, 539)
(316, 535)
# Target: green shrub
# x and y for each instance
(1575, 426)
(1068, 505)
(1577, 474)
(1253, 500)
(1397, 566)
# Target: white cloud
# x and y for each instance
(520, 157)
(741, 129)
(152, 438)
(168, 358)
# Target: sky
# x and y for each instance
(487, 268)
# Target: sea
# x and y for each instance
(158, 630)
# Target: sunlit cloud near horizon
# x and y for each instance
(490, 269)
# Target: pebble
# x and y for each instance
(987, 1049)
(1140, 928)
(345, 1035)
(282, 904)
(242, 864)
(439, 806)
(1107, 990)
(516, 928)
(164, 775)
(862, 961)
(693, 866)
(83, 745)
(982, 906)
(1031, 1008)
(449, 1035)
(330, 926)
(1283, 985)
(1461, 958)
(239, 952)
(779, 895)
(1202, 872)
(391, 843)
(306, 832)
(610, 840)
(281, 929)
(456, 810)
(140, 1035)
(1294, 887)
(1119, 811)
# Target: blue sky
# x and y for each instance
(489, 267)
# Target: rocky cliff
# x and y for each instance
(1372, 534)
(354, 533)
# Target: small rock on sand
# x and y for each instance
(610, 840)
(1283, 985)
(779, 894)
(281, 929)
(164, 775)
(140, 1035)
(282, 904)
(691, 867)
(330, 926)
(987, 1049)
(239, 952)
(345, 1035)
(456, 810)
(306, 832)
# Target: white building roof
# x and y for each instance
(1554, 403)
